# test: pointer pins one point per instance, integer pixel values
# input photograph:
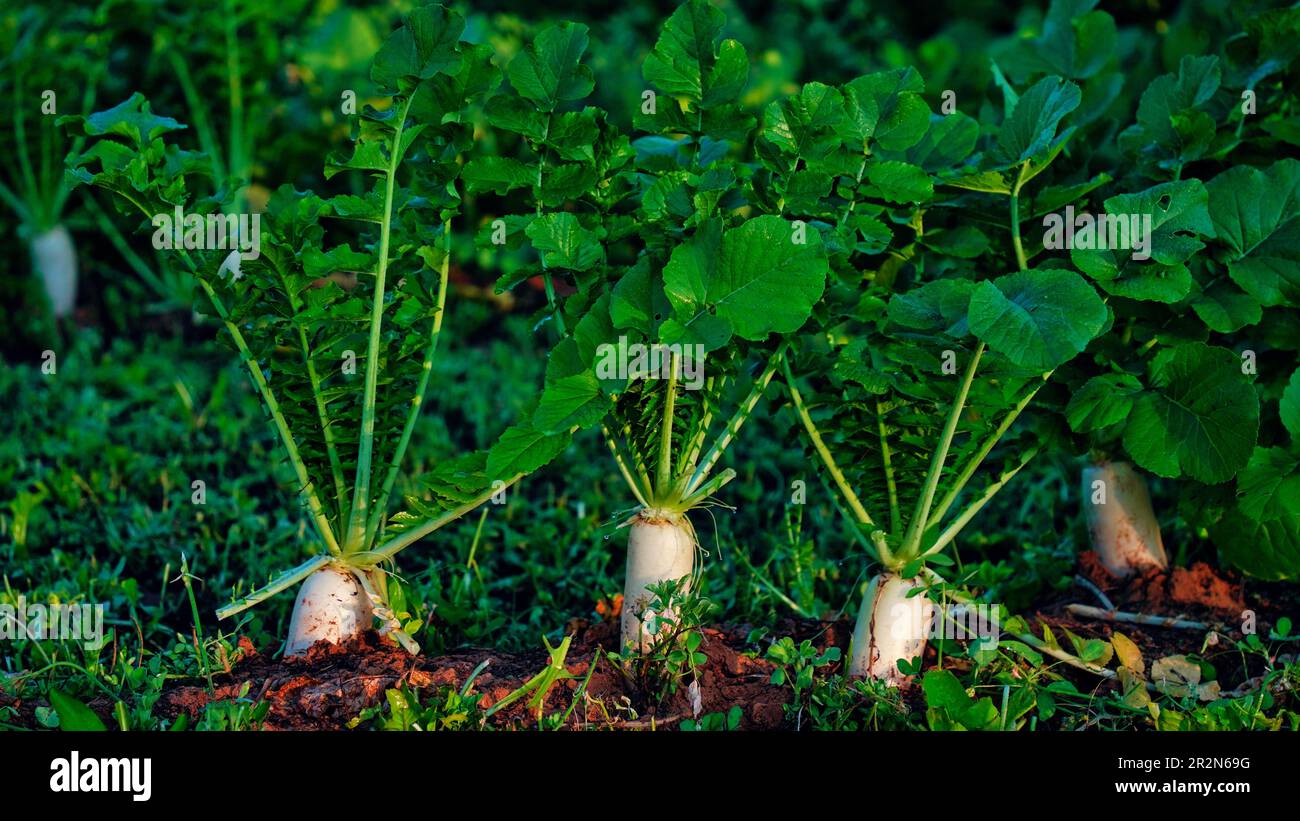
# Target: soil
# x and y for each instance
(332, 684)
(1198, 587)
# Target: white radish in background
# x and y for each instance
(1121, 522)
(891, 626)
(55, 260)
(331, 605)
(659, 548)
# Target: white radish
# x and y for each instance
(331, 605)
(55, 260)
(1121, 523)
(659, 548)
(890, 627)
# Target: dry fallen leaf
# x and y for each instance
(1129, 654)
(1176, 675)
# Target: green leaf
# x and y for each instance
(1268, 550)
(804, 125)
(1256, 215)
(887, 108)
(1075, 42)
(1199, 418)
(1168, 119)
(569, 401)
(761, 281)
(564, 243)
(131, 118)
(1102, 401)
(948, 141)
(497, 174)
(962, 241)
(943, 691)
(900, 182)
(1162, 223)
(638, 300)
(550, 70)
(366, 156)
(73, 714)
(424, 47)
(1225, 308)
(1038, 319)
(510, 113)
(523, 449)
(1269, 486)
(1289, 407)
(689, 61)
(939, 306)
(1031, 128)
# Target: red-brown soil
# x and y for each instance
(1199, 586)
(332, 684)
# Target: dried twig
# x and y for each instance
(1089, 612)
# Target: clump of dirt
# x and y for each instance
(332, 684)
(1158, 591)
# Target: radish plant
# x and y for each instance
(32, 187)
(922, 365)
(342, 371)
(681, 275)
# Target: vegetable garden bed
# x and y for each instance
(800, 368)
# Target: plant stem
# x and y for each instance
(895, 514)
(87, 106)
(824, 452)
(916, 528)
(280, 582)
(1015, 217)
(692, 456)
(640, 492)
(1057, 653)
(33, 194)
(199, 115)
(365, 451)
(336, 465)
(199, 650)
(236, 152)
(417, 400)
(306, 489)
(537, 199)
(664, 473)
(974, 507)
(127, 252)
(708, 488)
(978, 458)
(734, 424)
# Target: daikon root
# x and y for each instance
(331, 605)
(1121, 523)
(890, 627)
(55, 260)
(659, 548)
